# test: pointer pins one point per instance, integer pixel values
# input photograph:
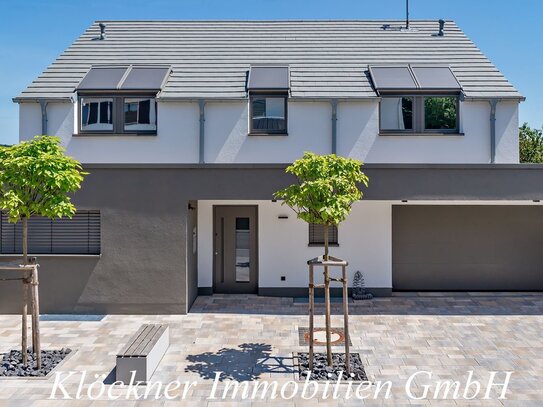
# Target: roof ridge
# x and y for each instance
(269, 21)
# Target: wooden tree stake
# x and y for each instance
(346, 320)
(24, 312)
(327, 316)
(311, 316)
(36, 346)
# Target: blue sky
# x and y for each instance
(35, 32)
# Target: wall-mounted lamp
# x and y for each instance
(537, 200)
(404, 200)
(282, 217)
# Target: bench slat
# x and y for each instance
(143, 341)
(131, 341)
(156, 336)
(138, 351)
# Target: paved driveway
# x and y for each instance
(248, 338)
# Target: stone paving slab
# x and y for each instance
(251, 338)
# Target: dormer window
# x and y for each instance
(268, 114)
(417, 99)
(120, 100)
(419, 114)
(118, 114)
(268, 100)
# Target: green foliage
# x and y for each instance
(440, 113)
(326, 188)
(530, 144)
(36, 178)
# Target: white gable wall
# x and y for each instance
(309, 129)
(227, 126)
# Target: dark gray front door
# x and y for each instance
(467, 247)
(235, 249)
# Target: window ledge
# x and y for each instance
(267, 134)
(3, 255)
(114, 135)
(322, 245)
(433, 134)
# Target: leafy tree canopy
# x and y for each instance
(326, 188)
(36, 178)
(530, 144)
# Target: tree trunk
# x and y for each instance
(327, 300)
(24, 333)
(325, 242)
(25, 240)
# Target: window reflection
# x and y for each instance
(139, 114)
(242, 249)
(268, 114)
(397, 113)
(96, 114)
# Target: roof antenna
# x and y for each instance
(102, 31)
(407, 14)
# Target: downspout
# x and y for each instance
(43, 106)
(493, 104)
(201, 104)
(333, 102)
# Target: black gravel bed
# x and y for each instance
(12, 363)
(322, 372)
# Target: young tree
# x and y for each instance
(326, 189)
(530, 144)
(36, 178)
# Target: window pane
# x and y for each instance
(97, 114)
(440, 113)
(268, 113)
(139, 114)
(242, 249)
(397, 113)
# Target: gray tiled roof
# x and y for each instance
(327, 59)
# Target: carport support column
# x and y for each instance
(201, 105)
(493, 104)
(43, 107)
(333, 102)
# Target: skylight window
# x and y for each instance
(119, 78)
(414, 78)
(265, 78)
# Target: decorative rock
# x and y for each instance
(12, 363)
(321, 370)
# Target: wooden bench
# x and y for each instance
(143, 353)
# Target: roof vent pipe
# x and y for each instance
(441, 26)
(102, 31)
(407, 14)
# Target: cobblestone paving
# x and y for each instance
(251, 338)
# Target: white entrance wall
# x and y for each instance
(365, 240)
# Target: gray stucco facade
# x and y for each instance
(147, 264)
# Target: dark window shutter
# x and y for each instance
(316, 234)
(79, 235)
